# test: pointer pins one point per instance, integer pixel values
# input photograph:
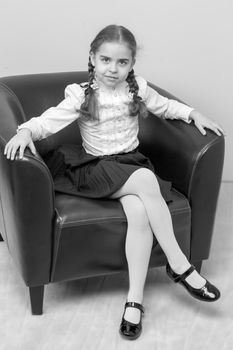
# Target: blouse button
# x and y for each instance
(114, 92)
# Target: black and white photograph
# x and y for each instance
(116, 175)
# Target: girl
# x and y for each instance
(109, 165)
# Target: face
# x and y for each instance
(113, 61)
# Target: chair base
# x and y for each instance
(36, 298)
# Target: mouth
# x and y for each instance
(111, 78)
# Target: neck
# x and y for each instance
(101, 85)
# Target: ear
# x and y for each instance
(92, 57)
(133, 63)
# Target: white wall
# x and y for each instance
(185, 45)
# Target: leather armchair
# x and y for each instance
(54, 237)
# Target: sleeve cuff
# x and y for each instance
(22, 126)
(188, 112)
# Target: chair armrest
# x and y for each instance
(27, 199)
(194, 163)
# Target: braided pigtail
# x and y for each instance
(136, 106)
(89, 107)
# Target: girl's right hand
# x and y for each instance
(19, 141)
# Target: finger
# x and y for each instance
(13, 152)
(215, 129)
(21, 151)
(221, 130)
(216, 126)
(5, 149)
(9, 149)
(32, 147)
(201, 129)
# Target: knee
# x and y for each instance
(135, 210)
(138, 210)
(147, 183)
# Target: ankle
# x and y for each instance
(180, 266)
(136, 298)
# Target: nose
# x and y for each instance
(113, 67)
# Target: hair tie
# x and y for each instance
(137, 98)
(94, 85)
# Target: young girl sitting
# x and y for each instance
(109, 164)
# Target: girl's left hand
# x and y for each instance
(203, 122)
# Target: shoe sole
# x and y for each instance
(129, 337)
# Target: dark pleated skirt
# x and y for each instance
(79, 173)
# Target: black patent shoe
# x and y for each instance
(128, 329)
(207, 293)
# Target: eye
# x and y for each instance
(105, 59)
(122, 62)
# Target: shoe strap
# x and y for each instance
(133, 304)
(184, 275)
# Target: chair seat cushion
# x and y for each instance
(89, 235)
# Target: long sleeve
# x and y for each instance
(162, 106)
(56, 118)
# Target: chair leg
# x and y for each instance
(36, 297)
(198, 265)
(1, 239)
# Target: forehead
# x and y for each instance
(115, 50)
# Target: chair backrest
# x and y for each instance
(38, 92)
(31, 95)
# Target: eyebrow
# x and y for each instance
(120, 59)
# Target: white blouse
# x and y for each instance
(115, 131)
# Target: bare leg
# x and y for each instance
(139, 240)
(144, 184)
